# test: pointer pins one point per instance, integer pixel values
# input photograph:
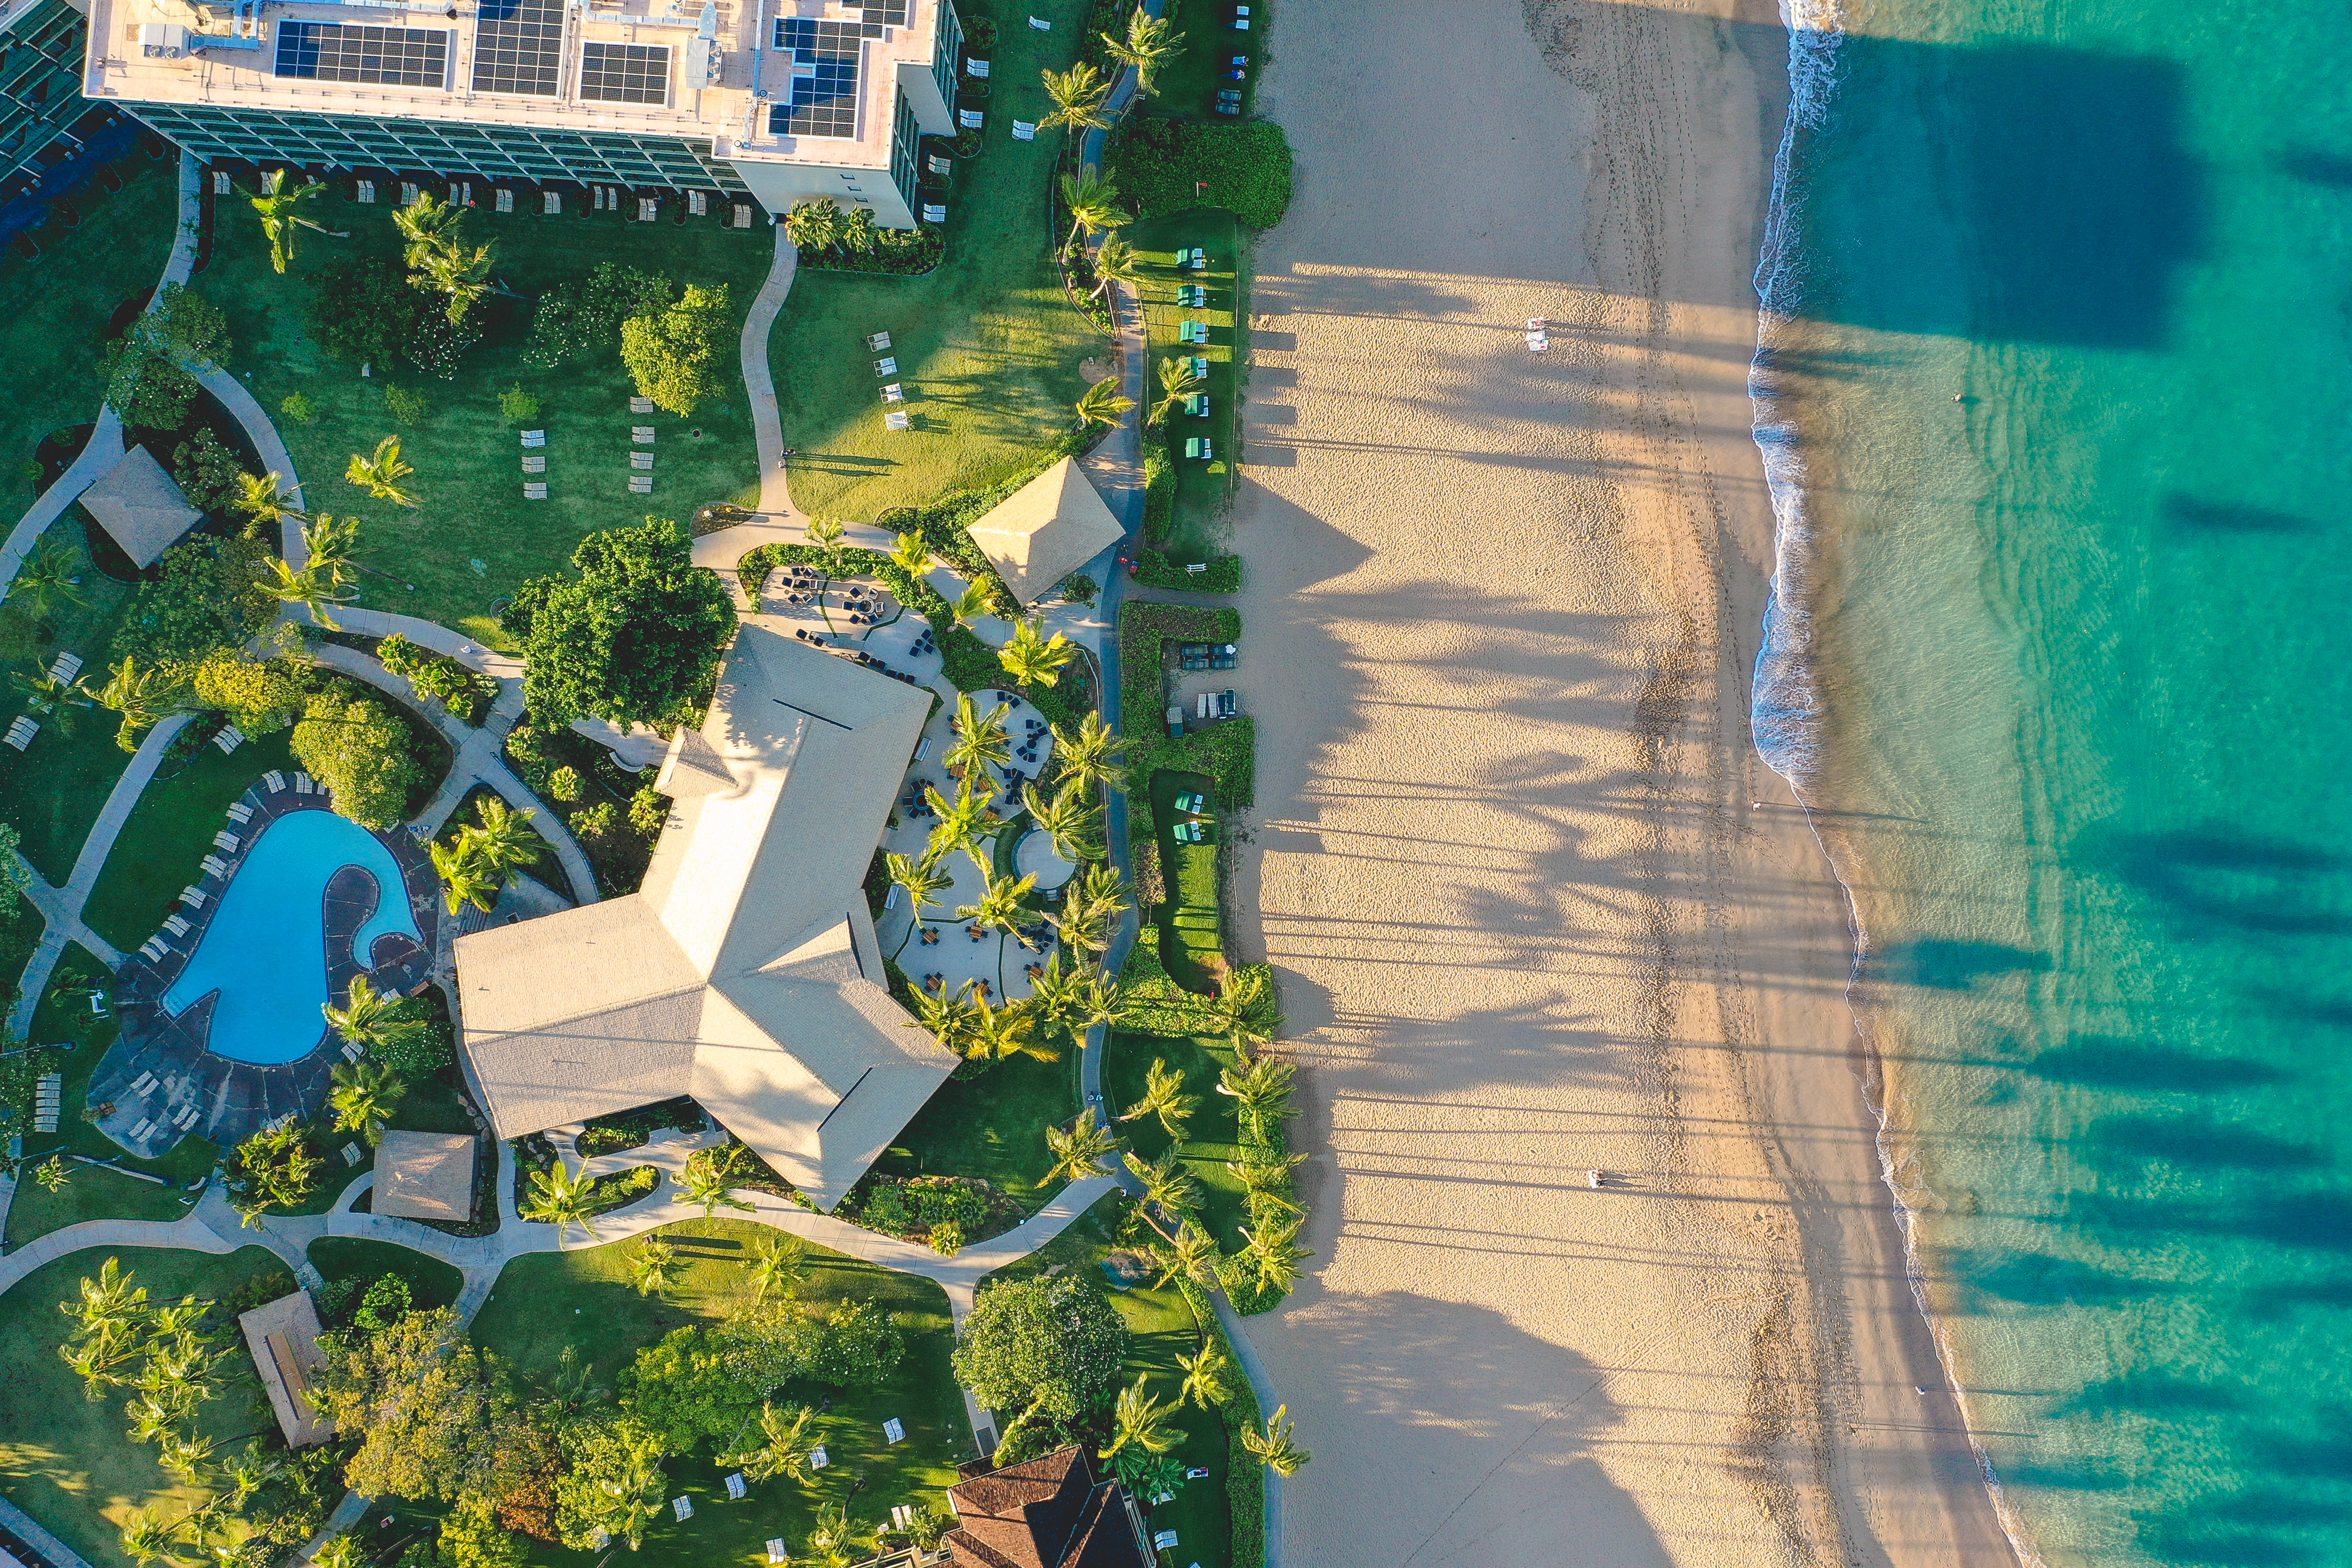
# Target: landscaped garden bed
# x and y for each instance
(1226, 750)
(1186, 525)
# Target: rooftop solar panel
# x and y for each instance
(824, 100)
(387, 57)
(518, 47)
(625, 73)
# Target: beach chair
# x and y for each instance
(21, 731)
(1199, 446)
(1200, 262)
(894, 1430)
(66, 667)
(641, 435)
(1192, 332)
(970, 119)
(641, 404)
(364, 193)
(682, 1507)
(894, 393)
(1199, 365)
(878, 342)
(535, 491)
(274, 781)
(641, 483)
(229, 738)
(895, 420)
(742, 214)
(1225, 655)
(1538, 343)
(736, 1490)
(212, 865)
(188, 1117)
(152, 950)
(1024, 131)
(778, 1551)
(551, 203)
(1193, 293)
(886, 367)
(934, 213)
(502, 199)
(534, 463)
(1164, 1542)
(534, 438)
(643, 461)
(224, 841)
(239, 811)
(138, 1133)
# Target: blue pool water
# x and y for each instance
(265, 949)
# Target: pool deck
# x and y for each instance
(158, 1084)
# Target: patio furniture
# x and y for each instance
(1198, 365)
(1175, 723)
(818, 1458)
(1227, 704)
(1199, 446)
(895, 420)
(877, 341)
(534, 463)
(229, 738)
(1196, 405)
(970, 119)
(1024, 131)
(641, 460)
(682, 1507)
(885, 366)
(778, 1551)
(894, 393)
(240, 812)
(641, 404)
(21, 731)
(1191, 802)
(641, 483)
(642, 434)
(895, 1429)
(1225, 655)
(736, 1490)
(66, 667)
(934, 213)
(214, 865)
(275, 779)
(973, 68)
(534, 438)
(535, 492)
(1192, 332)
(1196, 294)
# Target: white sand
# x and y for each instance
(1500, 618)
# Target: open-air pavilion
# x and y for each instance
(140, 508)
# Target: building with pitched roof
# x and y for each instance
(745, 972)
(140, 508)
(1045, 530)
(1052, 1513)
(425, 1176)
(283, 1337)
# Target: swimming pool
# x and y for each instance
(265, 949)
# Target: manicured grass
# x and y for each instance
(992, 1127)
(51, 790)
(1187, 84)
(54, 310)
(467, 455)
(1191, 922)
(1165, 1329)
(987, 343)
(548, 1301)
(1212, 1135)
(432, 1283)
(163, 846)
(65, 1459)
(1201, 487)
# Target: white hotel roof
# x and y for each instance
(730, 108)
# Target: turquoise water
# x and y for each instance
(2066, 666)
(265, 949)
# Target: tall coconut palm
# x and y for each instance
(1058, 992)
(244, 1475)
(1078, 95)
(1103, 402)
(308, 589)
(961, 822)
(921, 879)
(1177, 382)
(187, 1455)
(1089, 193)
(1083, 924)
(1192, 1255)
(1246, 1010)
(1276, 1446)
(950, 1018)
(561, 1198)
(1261, 1086)
(1141, 1420)
(1034, 660)
(1206, 1371)
(426, 225)
(368, 1019)
(465, 879)
(1115, 261)
(363, 1098)
(912, 555)
(1150, 43)
(50, 578)
(1168, 1186)
(1072, 819)
(826, 534)
(1164, 1098)
(1104, 888)
(1000, 905)
(790, 1441)
(978, 738)
(51, 700)
(260, 498)
(836, 1537)
(463, 275)
(1009, 1030)
(501, 839)
(775, 1263)
(142, 696)
(380, 472)
(1273, 1252)
(709, 1181)
(975, 604)
(147, 1538)
(813, 225)
(327, 546)
(653, 1268)
(1090, 754)
(1266, 1178)
(53, 1174)
(115, 1297)
(1082, 1151)
(279, 205)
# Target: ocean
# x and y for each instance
(2054, 389)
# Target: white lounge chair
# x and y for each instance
(534, 463)
(877, 342)
(641, 483)
(1024, 131)
(21, 732)
(534, 492)
(894, 393)
(534, 438)
(225, 842)
(736, 1490)
(641, 460)
(641, 404)
(229, 738)
(275, 779)
(66, 667)
(895, 420)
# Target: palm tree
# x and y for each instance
(55, 701)
(921, 878)
(112, 1298)
(1164, 1097)
(1070, 818)
(308, 588)
(147, 1539)
(962, 821)
(560, 1197)
(1103, 402)
(1083, 924)
(826, 534)
(1275, 1446)
(186, 1454)
(1193, 1256)
(1177, 382)
(1078, 95)
(380, 472)
(835, 1539)
(1008, 1030)
(951, 1019)
(913, 555)
(1265, 1179)
(1273, 1251)
(142, 696)
(342, 1552)
(53, 1174)
(1000, 903)
(1168, 1186)
(977, 739)
(1090, 754)
(1115, 261)
(1031, 659)
(363, 1098)
(428, 225)
(708, 1179)
(327, 544)
(369, 1019)
(1087, 193)
(1151, 42)
(1104, 890)
(1261, 1086)
(1056, 991)
(928, 1528)
(280, 206)
(463, 274)
(1139, 1420)
(975, 604)
(1204, 1376)
(501, 839)
(653, 1268)
(792, 1442)
(1081, 1152)
(258, 496)
(776, 1263)
(467, 879)
(49, 577)
(1246, 1011)
(813, 225)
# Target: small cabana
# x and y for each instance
(425, 1176)
(283, 1337)
(1045, 530)
(140, 508)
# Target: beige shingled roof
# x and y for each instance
(745, 972)
(1045, 530)
(425, 1176)
(140, 506)
(283, 1337)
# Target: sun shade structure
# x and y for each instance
(283, 1337)
(425, 1176)
(140, 508)
(1045, 530)
(746, 972)
(1047, 1513)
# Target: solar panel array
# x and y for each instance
(518, 47)
(894, 11)
(625, 73)
(824, 100)
(387, 56)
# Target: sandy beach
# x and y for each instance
(1500, 624)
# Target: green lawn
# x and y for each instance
(987, 344)
(53, 789)
(1165, 1329)
(992, 1127)
(1188, 84)
(161, 848)
(1212, 1136)
(432, 1283)
(548, 1301)
(1191, 922)
(467, 455)
(55, 307)
(72, 1469)
(1201, 487)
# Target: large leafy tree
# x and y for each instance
(424, 1402)
(361, 750)
(675, 352)
(1054, 1346)
(614, 1485)
(631, 638)
(684, 1388)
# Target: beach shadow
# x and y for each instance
(1993, 1280)
(2189, 515)
(2126, 1143)
(2215, 880)
(2149, 1395)
(1950, 964)
(2106, 1063)
(2314, 167)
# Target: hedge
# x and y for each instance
(1159, 491)
(1244, 1471)
(1158, 163)
(1156, 568)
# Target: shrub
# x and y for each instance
(648, 810)
(464, 692)
(406, 406)
(363, 308)
(1056, 1345)
(1220, 573)
(419, 1052)
(1239, 1278)
(595, 822)
(299, 409)
(1159, 492)
(585, 314)
(673, 354)
(564, 785)
(1078, 589)
(361, 752)
(947, 1239)
(207, 472)
(208, 597)
(1158, 163)
(387, 1300)
(859, 1348)
(518, 406)
(260, 696)
(145, 380)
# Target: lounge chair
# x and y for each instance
(878, 342)
(21, 732)
(886, 366)
(534, 438)
(641, 460)
(1024, 131)
(640, 404)
(534, 463)
(642, 434)
(895, 420)
(641, 483)
(894, 393)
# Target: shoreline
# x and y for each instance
(1501, 627)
